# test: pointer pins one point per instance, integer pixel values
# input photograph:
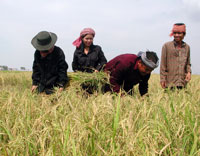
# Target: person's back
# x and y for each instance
(124, 60)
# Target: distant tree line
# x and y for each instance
(13, 69)
(3, 67)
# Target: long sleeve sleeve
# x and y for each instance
(62, 70)
(163, 65)
(102, 60)
(143, 86)
(114, 84)
(36, 75)
(188, 65)
(116, 77)
(75, 63)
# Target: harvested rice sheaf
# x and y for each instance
(90, 82)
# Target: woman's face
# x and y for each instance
(87, 40)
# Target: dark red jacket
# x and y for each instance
(124, 73)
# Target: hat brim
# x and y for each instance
(46, 47)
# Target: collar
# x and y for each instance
(81, 49)
(182, 43)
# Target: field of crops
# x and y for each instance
(166, 123)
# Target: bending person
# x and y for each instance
(49, 66)
(127, 70)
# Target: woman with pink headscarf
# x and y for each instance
(87, 56)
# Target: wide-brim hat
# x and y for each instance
(44, 40)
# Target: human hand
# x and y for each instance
(61, 89)
(163, 84)
(144, 97)
(96, 71)
(188, 77)
(34, 87)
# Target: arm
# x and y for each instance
(163, 67)
(188, 67)
(75, 65)
(62, 71)
(102, 60)
(36, 75)
(143, 86)
(114, 83)
(116, 77)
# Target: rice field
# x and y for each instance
(73, 123)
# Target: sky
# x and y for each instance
(121, 26)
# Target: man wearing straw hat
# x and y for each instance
(49, 66)
(128, 70)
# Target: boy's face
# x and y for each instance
(46, 52)
(178, 36)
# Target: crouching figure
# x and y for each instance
(127, 70)
(49, 66)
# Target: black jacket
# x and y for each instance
(50, 71)
(95, 59)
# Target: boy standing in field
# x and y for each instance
(175, 68)
(49, 66)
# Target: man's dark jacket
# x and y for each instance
(124, 74)
(50, 71)
(95, 59)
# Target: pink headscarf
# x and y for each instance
(86, 31)
(178, 28)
